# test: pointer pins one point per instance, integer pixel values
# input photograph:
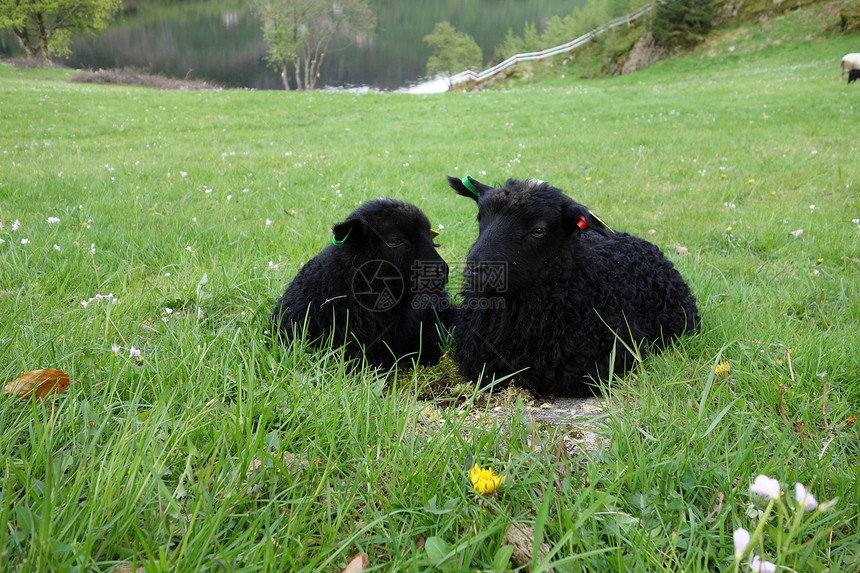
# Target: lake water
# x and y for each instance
(221, 41)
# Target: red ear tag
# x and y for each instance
(582, 223)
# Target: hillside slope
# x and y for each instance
(743, 27)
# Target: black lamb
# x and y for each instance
(551, 292)
(377, 290)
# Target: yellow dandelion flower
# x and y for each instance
(485, 481)
(820, 261)
(728, 229)
(723, 176)
(722, 369)
(588, 178)
(294, 213)
(751, 181)
(773, 192)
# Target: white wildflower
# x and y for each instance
(766, 487)
(760, 566)
(805, 499)
(742, 539)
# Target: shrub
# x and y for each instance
(683, 23)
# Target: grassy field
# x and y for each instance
(206, 203)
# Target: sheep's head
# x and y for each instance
(523, 227)
(387, 240)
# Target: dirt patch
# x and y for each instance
(644, 53)
(445, 398)
(30, 63)
(576, 422)
(134, 76)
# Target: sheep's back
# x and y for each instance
(321, 283)
(638, 286)
(850, 62)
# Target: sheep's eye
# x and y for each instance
(393, 242)
(538, 232)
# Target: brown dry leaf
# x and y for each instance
(358, 562)
(290, 461)
(41, 382)
(716, 508)
(521, 538)
(127, 568)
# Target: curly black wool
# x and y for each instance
(551, 293)
(377, 291)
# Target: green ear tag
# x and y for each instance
(337, 243)
(467, 183)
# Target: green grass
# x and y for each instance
(147, 464)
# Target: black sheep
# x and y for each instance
(549, 291)
(377, 290)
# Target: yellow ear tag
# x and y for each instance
(434, 233)
(608, 228)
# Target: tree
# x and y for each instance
(299, 32)
(46, 26)
(683, 23)
(453, 51)
(513, 44)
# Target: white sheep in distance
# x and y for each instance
(849, 62)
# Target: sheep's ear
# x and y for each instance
(351, 230)
(468, 187)
(578, 218)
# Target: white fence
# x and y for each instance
(564, 48)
